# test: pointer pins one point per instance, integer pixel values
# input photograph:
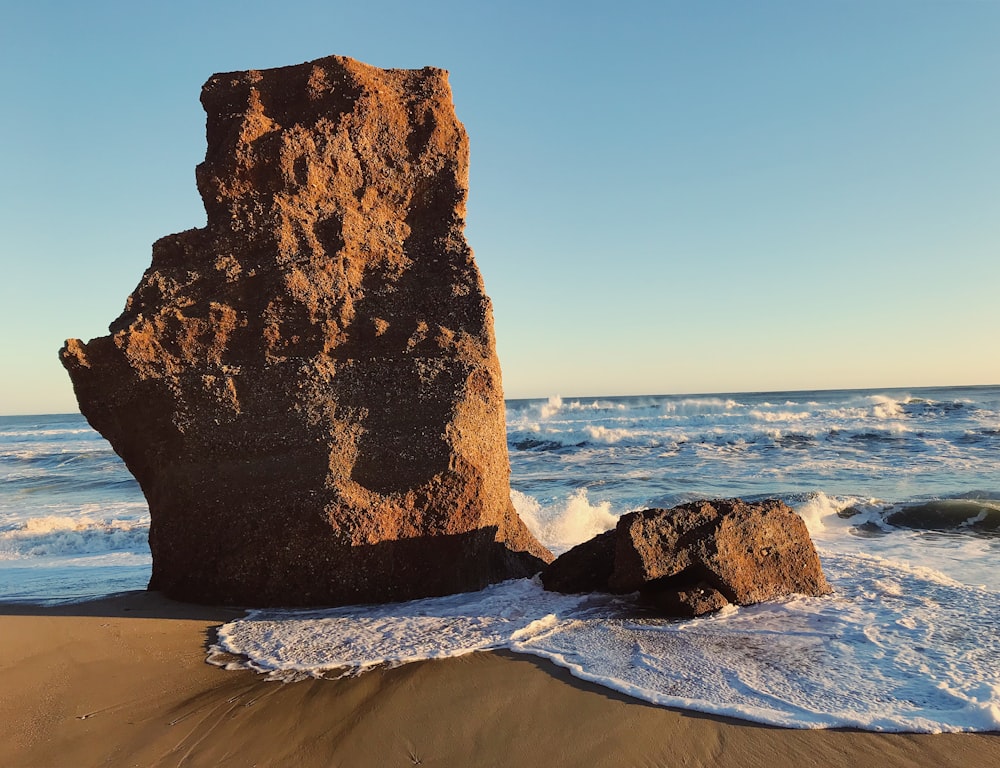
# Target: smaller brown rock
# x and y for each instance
(585, 568)
(697, 557)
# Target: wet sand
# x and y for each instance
(123, 682)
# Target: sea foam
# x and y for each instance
(566, 523)
(76, 534)
(894, 649)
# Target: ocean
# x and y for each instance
(900, 490)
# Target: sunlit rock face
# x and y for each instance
(697, 557)
(307, 389)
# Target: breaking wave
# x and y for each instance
(566, 523)
(74, 535)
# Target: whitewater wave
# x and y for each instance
(26, 433)
(974, 512)
(564, 524)
(757, 428)
(75, 535)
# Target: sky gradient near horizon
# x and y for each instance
(666, 197)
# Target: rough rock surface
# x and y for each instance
(307, 389)
(697, 557)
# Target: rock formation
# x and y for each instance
(696, 558)
(307, 389)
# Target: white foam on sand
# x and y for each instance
(894, 649)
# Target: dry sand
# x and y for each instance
(123, 682)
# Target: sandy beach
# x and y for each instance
(123, 682)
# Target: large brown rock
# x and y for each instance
(697, 557)
(307, 389)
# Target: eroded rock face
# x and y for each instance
(697, 557)
(307, 389)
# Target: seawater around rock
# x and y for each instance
(906, 641)
(307, 389)
(892, 650)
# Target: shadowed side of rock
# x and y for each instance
(307, 389)
(697, 557)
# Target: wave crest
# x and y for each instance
(60, 535)
(566, 523)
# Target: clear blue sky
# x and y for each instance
(666, 196)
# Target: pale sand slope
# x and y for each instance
(135, 667)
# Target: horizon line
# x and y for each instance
(662, 394)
